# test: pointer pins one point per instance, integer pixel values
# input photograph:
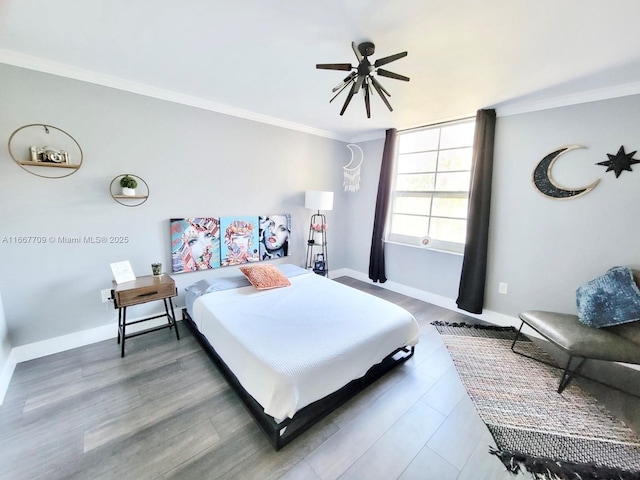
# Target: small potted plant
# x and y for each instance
(128, 185)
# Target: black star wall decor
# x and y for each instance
(620, 161)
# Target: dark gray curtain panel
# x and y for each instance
(474, 263)
(376, 258)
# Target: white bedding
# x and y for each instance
(291, 346)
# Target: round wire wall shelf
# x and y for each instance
(38, 148)
(138, 198)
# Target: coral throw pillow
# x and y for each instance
(264, 277)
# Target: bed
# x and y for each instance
(296, 353)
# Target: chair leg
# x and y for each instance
(568, 373)
(517, 336)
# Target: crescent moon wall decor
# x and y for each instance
(545, 184)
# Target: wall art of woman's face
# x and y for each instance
(276, 232)
(195, 244)
(199, 242)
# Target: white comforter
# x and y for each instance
(291, 346)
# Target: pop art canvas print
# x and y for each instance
(195, 244)
(274, 236)
(239, 240)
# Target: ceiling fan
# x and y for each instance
(363, 75)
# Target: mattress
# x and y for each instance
(289, 347)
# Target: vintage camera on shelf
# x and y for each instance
(48, 155)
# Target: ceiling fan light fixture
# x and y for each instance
(362, 76)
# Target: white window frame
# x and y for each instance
(433, 244)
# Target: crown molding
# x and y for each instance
(68, 71)
(365, 137)
(503, 109)
(606, 93)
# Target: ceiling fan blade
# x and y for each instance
(379, 86)
(367, 99)
(396, 76)
(349, 97)
(358, 83)
(381, 91)
(341, 89)
(344, 82)
(389, 59)
(334, 66)
(356, 51)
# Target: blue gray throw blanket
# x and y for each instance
(610, 299)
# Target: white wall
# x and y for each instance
(202, 163)
(543, 249)
(196, 162)
(5, 350)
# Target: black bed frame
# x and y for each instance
(280, 434)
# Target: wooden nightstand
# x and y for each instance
(143, 290)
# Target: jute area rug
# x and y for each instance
(551, 435)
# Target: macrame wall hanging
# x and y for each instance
(351, 170)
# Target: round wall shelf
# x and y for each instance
(45, 151)
(136, 198)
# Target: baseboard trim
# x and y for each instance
(30, 351)
(50, 346)
(489, 316)
(6, 374)
(439, 300)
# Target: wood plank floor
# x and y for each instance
(165, 412)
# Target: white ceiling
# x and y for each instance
(257, 59)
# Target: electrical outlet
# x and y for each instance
(502, 288)
(105, 294)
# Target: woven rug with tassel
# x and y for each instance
(550, 435)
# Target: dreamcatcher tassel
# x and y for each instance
(351, 181)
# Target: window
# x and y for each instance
(430, 195)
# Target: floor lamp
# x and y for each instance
(317, 249)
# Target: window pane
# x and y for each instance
(456, 159)
(431, 185)
(415, 205)
(448, 230)
(415, 182)
(460, 135)
(453, 182)
(409, 225)
(450, 207)
(419, 141)
(417, 162)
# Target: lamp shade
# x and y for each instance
(314, 200)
